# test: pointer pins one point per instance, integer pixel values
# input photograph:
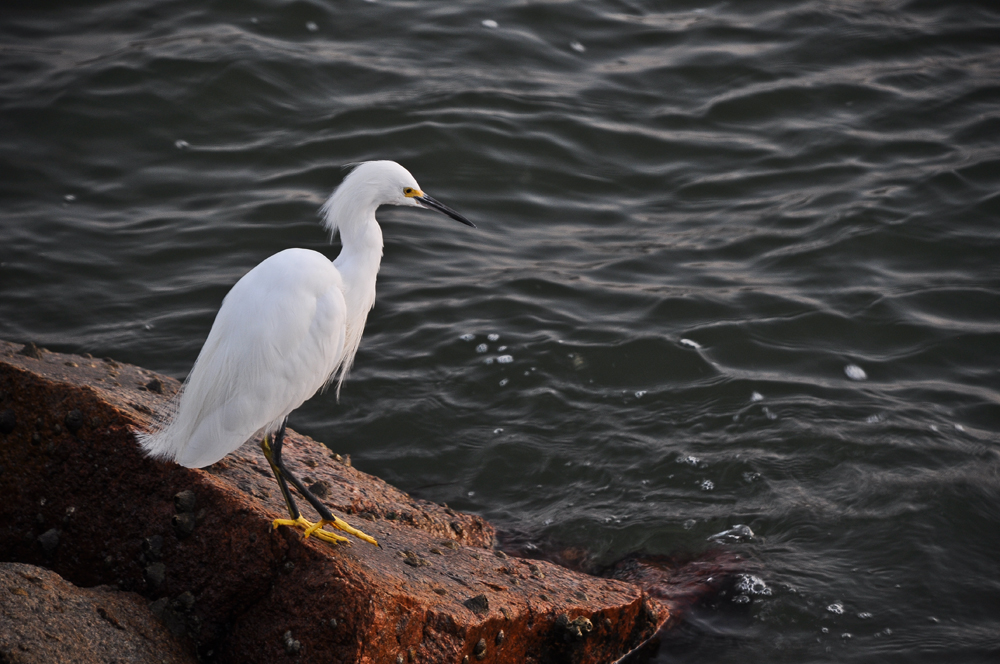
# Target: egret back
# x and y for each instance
(277, 339)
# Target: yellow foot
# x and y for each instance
(316, 529)
(311, 528)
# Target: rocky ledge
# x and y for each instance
(80, 499)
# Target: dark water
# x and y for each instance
(691, 222)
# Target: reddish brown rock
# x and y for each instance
(44, 619)
(80, 499)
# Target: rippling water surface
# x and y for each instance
(693, 219)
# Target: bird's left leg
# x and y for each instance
(272, 450)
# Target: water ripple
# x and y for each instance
(689, 226)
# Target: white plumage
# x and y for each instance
(287, 328)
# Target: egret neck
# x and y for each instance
(358, 264)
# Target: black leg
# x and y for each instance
(272, 452)
(310, 497)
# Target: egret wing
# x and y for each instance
(276, 340)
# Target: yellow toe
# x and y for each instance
(326, 535)
(347, 528)
(309, 528)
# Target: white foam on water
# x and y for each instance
(707, 485)
(467, 337)
(756, 396)
(482, 348)
(505, 359)
(577, 46)
(750, 584)
(504, 382)
(490, 23)
(854, 372)
(692, 344)
(737, 533)
(493, 336)
(311, 26)
(836, 608)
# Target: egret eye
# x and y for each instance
(408, 190)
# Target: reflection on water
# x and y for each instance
(735, 266)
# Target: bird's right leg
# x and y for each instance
(272, 452)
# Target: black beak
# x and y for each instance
(432, 204)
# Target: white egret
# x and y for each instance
(288, 328)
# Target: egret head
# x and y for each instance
(375, 183)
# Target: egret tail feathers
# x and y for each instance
(194, 439)
(158, 442)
